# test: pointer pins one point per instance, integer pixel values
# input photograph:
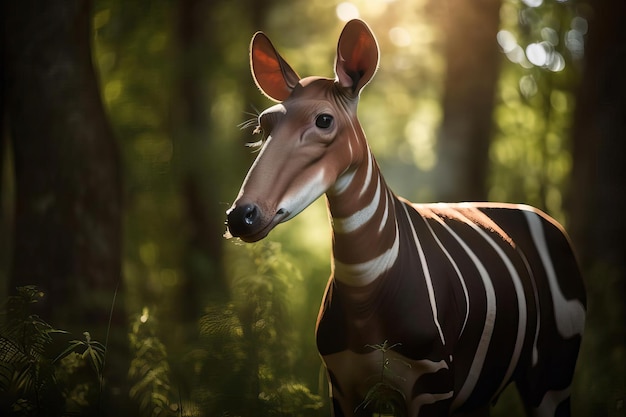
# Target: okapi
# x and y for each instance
(451, 301)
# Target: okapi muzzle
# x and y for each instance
(251, 223)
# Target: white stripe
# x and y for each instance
(551, 400)
(429, 283)
(427, 398)
(366, 272)
(535, 354)
(383, 222)
(368, 177)
(521, 304)
(456, 269)
(343, 182)
(520, 297)
(569, 314)
(355, 369)
(360, 217)
(485, 337)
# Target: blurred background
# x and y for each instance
(121, 150)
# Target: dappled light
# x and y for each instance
(347, 11)
(547, 52)
(468, 103)
(533, 123)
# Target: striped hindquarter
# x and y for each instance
(479, 295)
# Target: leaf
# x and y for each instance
(71, 348)
(96, 356)
(383, 396)
(10, 352)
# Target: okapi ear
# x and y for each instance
(270, 71)
(357, 56)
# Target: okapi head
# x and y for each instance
(314, 141)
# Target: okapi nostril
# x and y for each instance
(251, 214)
(243, 219)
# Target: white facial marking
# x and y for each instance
(304, 196)
(277, 108)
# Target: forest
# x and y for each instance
(125, 127)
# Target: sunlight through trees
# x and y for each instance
(500, 100)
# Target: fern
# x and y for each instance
(93, 352)
(27, 377)
(291, 399)
(149, 370)
(29, 383)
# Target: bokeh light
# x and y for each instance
(533, 3)
(399, 36)
(347, 11)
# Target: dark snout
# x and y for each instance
(244, 220)
(250, 223)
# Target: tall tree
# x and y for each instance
(67, 234)
(206, 36)
(199, 182)
(473, 63)
(68, 198)
(597, 197)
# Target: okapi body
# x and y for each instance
(431, 309)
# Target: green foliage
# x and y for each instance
(149, 370)
(530, 154)
(384, 398)
(291, 400)
(32, 379)
(93, 352)
(35, 381)
(243, 365)
(601, 374)
(256, 353)
(27, 378)
(248, 355)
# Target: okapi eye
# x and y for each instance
(324, 121)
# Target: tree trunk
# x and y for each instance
(598, 202)
(599, 173)
(473, 64)
(200, 162)
(67, 235)
(204, 277)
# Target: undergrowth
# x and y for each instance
(240, 364)
(35, 380)
(383, 398)
(44, 372)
